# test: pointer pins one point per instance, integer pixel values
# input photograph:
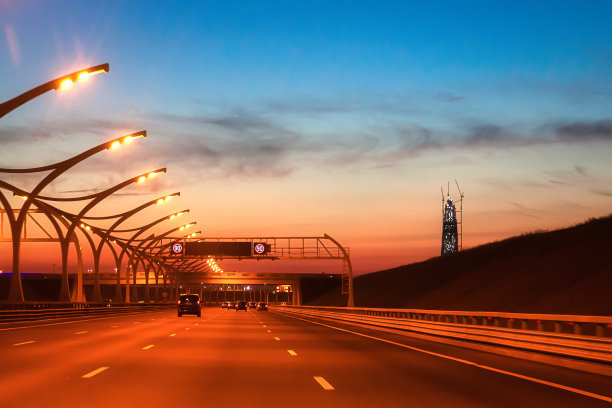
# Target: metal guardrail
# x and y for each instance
(32, 315)
(487, 327)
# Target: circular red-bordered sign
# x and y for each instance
(260, 248)
(177, 248)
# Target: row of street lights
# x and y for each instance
(138, 250)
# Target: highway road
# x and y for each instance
(265, 359)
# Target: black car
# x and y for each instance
(252, 305)
(262, 306)
(240, 305)
(189, 304)
(225, 305)
(231, 305)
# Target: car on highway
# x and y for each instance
(252, 305)
(189, 304)
(107, 302)
(241, 305)
(262, 306)
(231, 305)
(225, 305)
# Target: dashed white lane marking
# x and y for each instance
(291, 352)
(136, 322)
(114, 327)
(459, 360)
(269, 331)
(24, 342)
(173, 334)
(187, 328)
(265, 325)
(276, 338)
(81, 332)
(323, 383)
(148, 347)
(195, 324)
(94, 372)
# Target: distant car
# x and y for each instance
(283, 303)
(107, 302)
(262, 306)
(225, 305)
(240, 305)
(189, 304)
(252, 305)
(231, 305)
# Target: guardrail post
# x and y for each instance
(557, 327)
(577, 328)
(599, 330)
(510, 323)
(524, 324)
(540, 326)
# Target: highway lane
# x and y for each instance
(229, 358)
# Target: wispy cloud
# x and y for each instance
(242, 143)
(13, 45)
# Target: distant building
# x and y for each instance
(449, 228)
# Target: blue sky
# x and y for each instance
(511, 98)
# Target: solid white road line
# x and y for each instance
(276, 338)
(148, 347)
(81, 332)
(94, 372)
(323, 383)
(24, 342)
(459, 360)
(291, 352)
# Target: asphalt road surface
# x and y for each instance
(231, 358)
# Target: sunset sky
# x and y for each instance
(338, 117)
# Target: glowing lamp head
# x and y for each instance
(127, 139)
(141, 179)
(84, 75)
(160, 201)
(115, 145)
(66, 83)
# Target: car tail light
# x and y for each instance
(198, 302)
(179, 302)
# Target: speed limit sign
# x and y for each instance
(260, 248)
(177, 248)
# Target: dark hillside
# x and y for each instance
(563, 271)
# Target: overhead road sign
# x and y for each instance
(218, 249)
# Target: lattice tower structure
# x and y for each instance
(449, 228)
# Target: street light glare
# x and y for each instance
(84, 75)
(66, 83)
(115, 145)
(141, 179)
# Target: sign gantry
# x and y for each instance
(262, 248)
